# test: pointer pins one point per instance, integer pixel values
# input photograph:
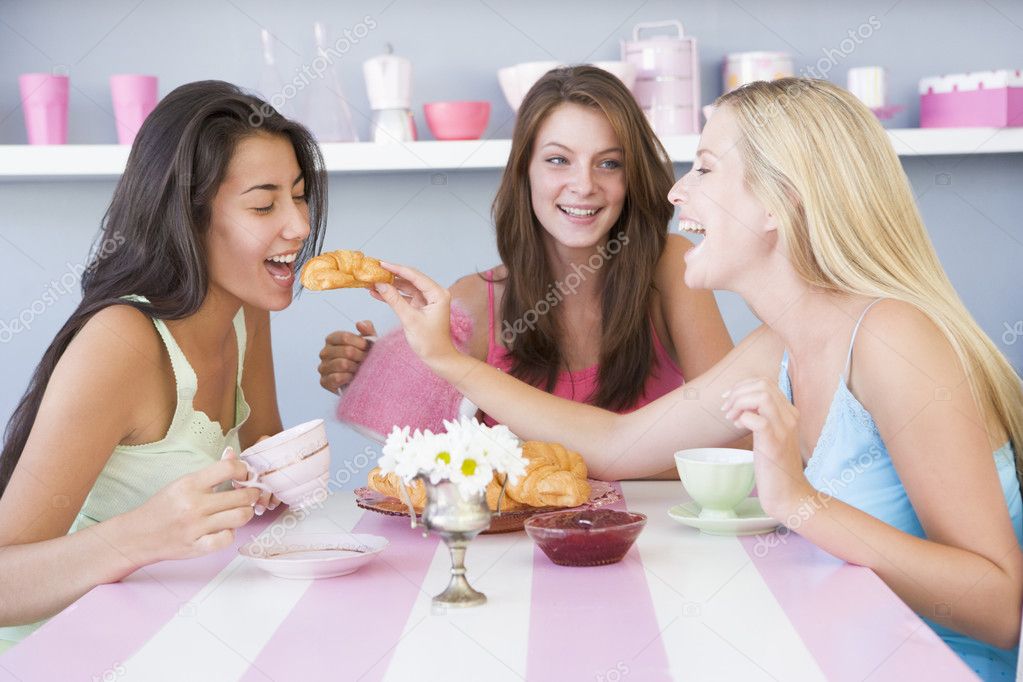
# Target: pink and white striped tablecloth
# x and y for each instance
(682, 605)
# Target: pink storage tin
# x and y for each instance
(667, 77)
(977, 99)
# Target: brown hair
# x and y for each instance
(626, 343)
(159, 215)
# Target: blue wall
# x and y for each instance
(456, 47)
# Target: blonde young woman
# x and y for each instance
(587, 303)
(808, 215)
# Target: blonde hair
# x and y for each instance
(822, 164)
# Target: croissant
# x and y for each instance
(391, 485)
(343, 270)
(555, 477)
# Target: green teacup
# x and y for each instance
(717, 479)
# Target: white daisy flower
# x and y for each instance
(467, 454)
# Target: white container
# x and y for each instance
(741, 68)
(868, 84)
(517, 80)
(388, 82)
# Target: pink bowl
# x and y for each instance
(457, 120)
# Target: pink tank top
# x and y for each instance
(579, 386)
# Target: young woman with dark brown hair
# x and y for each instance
(112, 459)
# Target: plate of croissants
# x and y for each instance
(555, 479)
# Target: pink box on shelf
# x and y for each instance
(968, 100)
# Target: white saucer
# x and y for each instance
(307, 556)
(750, 519)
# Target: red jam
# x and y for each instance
(592, 537)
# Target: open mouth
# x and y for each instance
(687, 225)
(282, 266)
(579, 211)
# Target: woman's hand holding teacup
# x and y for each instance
(191, 516)
(267, 500)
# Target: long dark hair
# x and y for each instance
(151, 238)
(626, 343)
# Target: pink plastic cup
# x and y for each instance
(134, 97)
(44, 101)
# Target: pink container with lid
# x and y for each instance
(667, 84)
(969, 100)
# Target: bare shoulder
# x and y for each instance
(671, 266)
(117, 356)
(98, 391)
(120, 336)
(675, 246)
(898, 342)
(470, 292)
(905, 370)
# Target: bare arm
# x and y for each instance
(968, 572)
(90, 405)
(343, 352)
(615, 446)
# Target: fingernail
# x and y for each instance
(726, 394)
(381, 288)
(260, 509)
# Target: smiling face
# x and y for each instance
(576, 177)
(714, 200)
(258, 223)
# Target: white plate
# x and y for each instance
(307, 556)
(750, 519)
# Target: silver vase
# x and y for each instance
(457, 520)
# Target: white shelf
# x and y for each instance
(70, 162)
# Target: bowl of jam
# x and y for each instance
(591, 537)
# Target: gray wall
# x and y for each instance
(456, 47)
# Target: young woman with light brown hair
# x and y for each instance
(589, 302)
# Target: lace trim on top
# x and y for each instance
(197, 424)
(844, 403)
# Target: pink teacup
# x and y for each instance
(293, 464)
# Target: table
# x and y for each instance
(682, 605)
